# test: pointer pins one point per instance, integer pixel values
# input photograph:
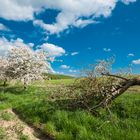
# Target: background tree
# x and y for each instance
(26, 65)
(3, 69)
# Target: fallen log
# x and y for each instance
(119, 91)
(92, 101)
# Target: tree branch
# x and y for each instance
(116, 76)
(118, 92)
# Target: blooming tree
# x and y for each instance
(25, 64)
(3, 69)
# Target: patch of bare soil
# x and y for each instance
(12, 128)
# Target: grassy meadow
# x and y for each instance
(120, 122)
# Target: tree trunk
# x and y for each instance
(25, 85)
(5, 82)
(127, 84)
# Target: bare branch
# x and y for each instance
(116, 76)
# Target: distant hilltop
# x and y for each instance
(57, 76)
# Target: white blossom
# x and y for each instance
(24, 64)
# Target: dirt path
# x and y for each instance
(12, 128)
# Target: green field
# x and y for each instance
(60, 81)
(57, 76)
(120, 122)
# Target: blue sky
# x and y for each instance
(75, 38)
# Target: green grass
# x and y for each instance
(61, 82)
(6, 116)
(23, 137)
(58, 76)
(2, 133)
(33, 107)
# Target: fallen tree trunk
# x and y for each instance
(126, 85)
(91, 100)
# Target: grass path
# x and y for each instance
(12, 128)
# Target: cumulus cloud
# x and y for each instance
(136, 62)
(64, 67)
(79, 13)
(73, 13)
(16, 10)
(5, 45)
(52, 50)
(3, 27)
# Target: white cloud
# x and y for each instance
(31, 44)
(107, 49)
(77, 13)
(5, 45)
(136, 62)
(131, 55)
(16, 10)
(64, 67)
(72, 13)
(3, 27)
(128, 1)
(74, 53)
(53, 50)
(72, 71)
(82, 23)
